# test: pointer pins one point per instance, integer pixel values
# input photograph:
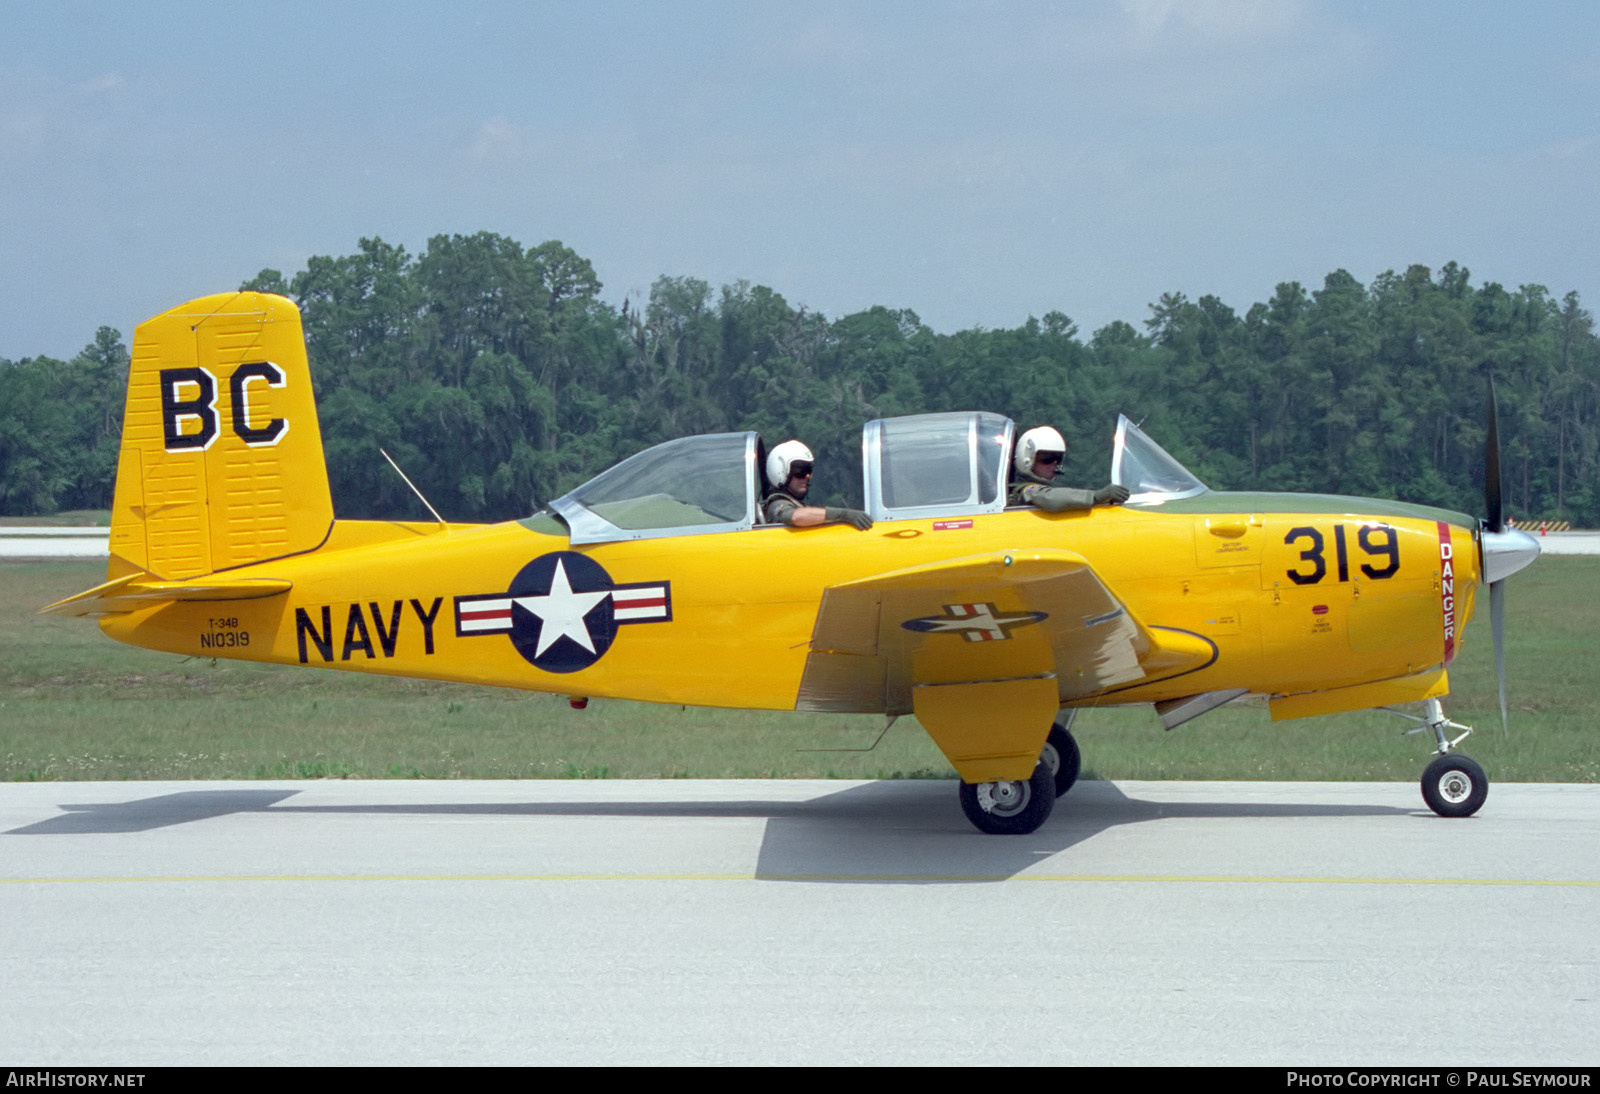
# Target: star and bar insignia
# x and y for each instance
(562, 611)
(976, 622)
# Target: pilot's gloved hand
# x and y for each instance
(1111, 494)
(853, 517)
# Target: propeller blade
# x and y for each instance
(1497, 624)
(1491, 468)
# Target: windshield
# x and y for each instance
(1151, 475)
(683, 487)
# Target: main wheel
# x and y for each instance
(1010, 808)
(1061, 756)
(1454, 785)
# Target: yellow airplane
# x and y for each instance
(656, 580)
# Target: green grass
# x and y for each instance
(76, 705)
(70, 518)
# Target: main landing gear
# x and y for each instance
(1453, 785)
(1017, 807)
(1061, 754)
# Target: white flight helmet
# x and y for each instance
(782, 458)
(1036, 440)
(1040, 439)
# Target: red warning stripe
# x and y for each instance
(1447, 590)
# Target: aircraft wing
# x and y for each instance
(999, 639)
(142, 590)
(990, 617)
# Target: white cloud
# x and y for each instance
(497, 140)
(1233, 20)
(100, 85)
(828, 40)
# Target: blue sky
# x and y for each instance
(976, 162)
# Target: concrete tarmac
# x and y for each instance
(803, 922)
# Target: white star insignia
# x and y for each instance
(982, 621)
(561, 612)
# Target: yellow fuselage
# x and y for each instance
(1294, 602)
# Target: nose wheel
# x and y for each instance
(1454, 786)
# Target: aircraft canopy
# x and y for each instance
(916, 467)
(690, 486)
(1151, 474)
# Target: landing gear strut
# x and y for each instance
(1453, 785)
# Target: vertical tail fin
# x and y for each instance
(221, 462)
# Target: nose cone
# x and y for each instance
(1504, 553)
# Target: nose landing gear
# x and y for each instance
(1453, 785)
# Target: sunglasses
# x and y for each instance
(799, 469)
(1049, 457)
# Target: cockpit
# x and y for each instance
(916, 467)
(690, 486)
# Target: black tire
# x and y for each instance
(1454, 785)
(1061, 756)
(1014, 808)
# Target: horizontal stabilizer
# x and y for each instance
(142, 590)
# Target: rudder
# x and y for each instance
(221, 462)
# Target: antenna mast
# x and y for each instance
(414, 489)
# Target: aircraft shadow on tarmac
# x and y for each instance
(907, 831)
(144, 814)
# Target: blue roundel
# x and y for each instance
(562, 618)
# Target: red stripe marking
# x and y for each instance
(640, 600)
(485, 613)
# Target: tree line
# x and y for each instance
(498, 379)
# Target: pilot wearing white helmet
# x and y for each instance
(1038, 459)
(789, 476)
